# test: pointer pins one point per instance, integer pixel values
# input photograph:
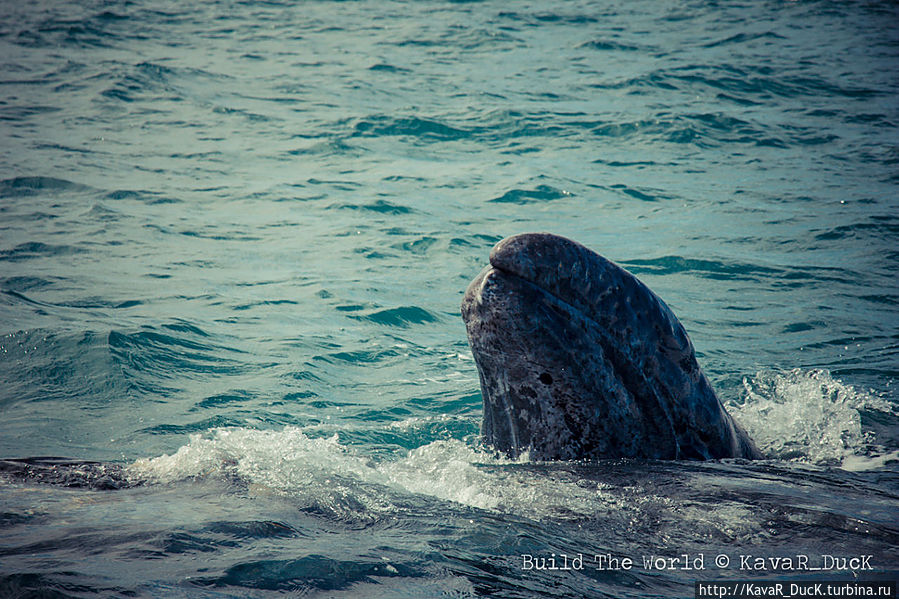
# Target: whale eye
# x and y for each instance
(546, 379)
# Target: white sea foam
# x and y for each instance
(808, 415)
(323, 472)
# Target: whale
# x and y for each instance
(579, 360)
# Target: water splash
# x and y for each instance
(807, 415)
(325, 475)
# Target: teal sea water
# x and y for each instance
(233, 241)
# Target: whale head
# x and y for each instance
(579, 359)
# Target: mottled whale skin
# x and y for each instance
(580, 360)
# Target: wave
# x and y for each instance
(171, 353)
(40, 366)
(322, 474)
(520, 133)
(541, 193)
(35, 249)
(754, 83)
(39, 185)
(422, 128)
(402, 316)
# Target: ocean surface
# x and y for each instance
(234, 237)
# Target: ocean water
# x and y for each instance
(233, 241)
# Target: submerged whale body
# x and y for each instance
(580, 360)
